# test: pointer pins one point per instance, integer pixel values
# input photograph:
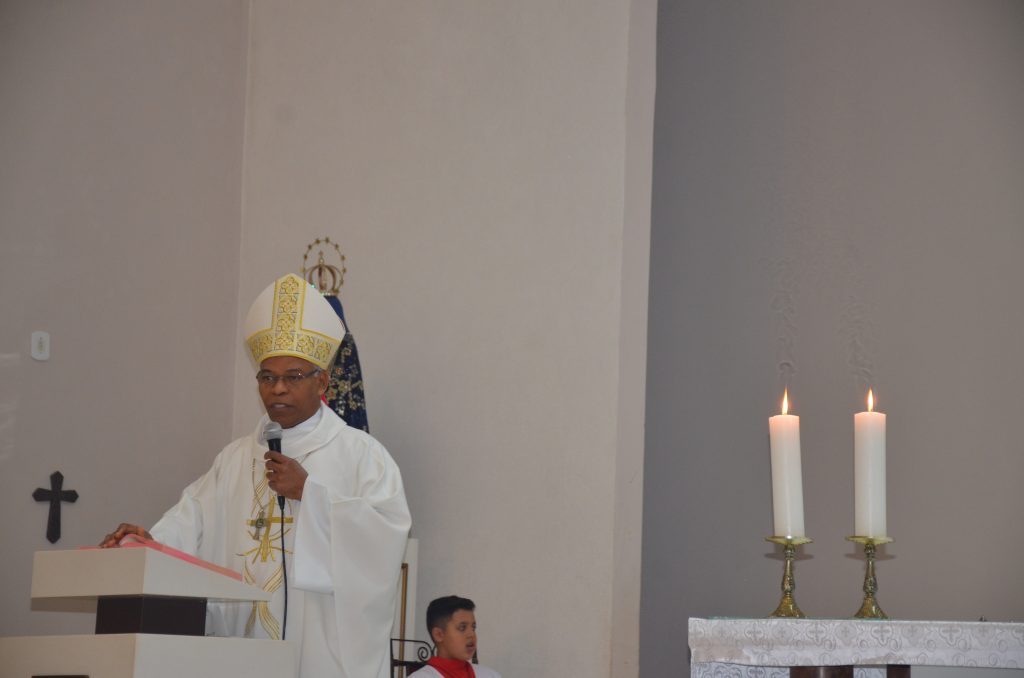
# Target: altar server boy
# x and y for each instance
(452, 625)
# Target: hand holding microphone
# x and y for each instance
(285, 476)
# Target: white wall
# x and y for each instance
(838, 185)
(471, 158)
(120, 171)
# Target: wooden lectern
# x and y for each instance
(150, 621)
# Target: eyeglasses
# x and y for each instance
(291, 379)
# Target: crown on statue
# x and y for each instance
(318, 274)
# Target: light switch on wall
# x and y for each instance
(41, 345)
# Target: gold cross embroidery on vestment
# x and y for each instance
(267, 541)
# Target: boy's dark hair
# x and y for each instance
(441, 610)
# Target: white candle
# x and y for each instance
(869, 472)
(787, 482)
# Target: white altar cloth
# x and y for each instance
(765, 648)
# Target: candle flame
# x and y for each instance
(785, 401)
(871, 401)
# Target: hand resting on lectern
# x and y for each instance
(113, 540)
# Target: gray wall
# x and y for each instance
(838, 187)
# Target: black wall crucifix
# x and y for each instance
(55, 495)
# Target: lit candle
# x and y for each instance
(787, 482)
(869, 471)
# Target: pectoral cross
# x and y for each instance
(55, 495)
(259, 523)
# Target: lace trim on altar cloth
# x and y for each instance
(730, 648)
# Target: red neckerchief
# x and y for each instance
(452, 668)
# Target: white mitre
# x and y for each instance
(292, 318)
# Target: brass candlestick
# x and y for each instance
(870, 609)
(787, 606)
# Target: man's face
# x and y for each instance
(291, 403)
(457, 640)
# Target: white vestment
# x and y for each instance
(479, 670)
(344, 543)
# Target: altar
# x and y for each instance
(767, 648)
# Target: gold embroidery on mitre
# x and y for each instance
(286, 335)
(284, 341)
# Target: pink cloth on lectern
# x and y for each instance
(134, 541)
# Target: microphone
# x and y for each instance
(273, 433)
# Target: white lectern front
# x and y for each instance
(150, 621)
